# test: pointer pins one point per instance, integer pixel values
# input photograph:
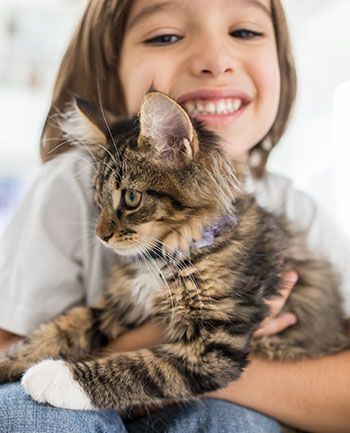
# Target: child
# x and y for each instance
(205, 54)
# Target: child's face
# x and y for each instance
(218, 58)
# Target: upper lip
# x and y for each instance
(207, 93)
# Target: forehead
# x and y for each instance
(143, 9)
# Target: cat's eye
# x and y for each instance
(132, 199)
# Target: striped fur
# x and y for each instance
(209, 299)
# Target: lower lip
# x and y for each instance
(219, 119)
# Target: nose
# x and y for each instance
(107, 236)
(211, 58)
(105, 228)
(104, 233)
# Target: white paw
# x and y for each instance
(52, 382)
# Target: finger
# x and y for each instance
(289, 280)
(274, 326)
(276, 304)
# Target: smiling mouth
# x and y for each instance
(222, 106)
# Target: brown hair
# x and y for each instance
(90, 66)
(260, 153)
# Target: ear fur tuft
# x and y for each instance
(77, 124)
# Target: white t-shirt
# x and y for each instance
(50, 258)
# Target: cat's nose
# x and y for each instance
(107, 236)
(105, 232)
(105, 226)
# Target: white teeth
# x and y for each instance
(190, 106)
(229, 105)
(199, 107)
(236, 104)
(210, 108)
(221, 106)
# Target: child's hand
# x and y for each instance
(7, 339)
(277, 322)
(147, 335)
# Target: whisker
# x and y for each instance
(176, 261)
(70, 161)
(177, 280)
(104, 116)
(149, 261)
(181, 266)
(163, 278)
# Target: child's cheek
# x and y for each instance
(268, 74)
(140, 85)
(138, 77)
(136, 86)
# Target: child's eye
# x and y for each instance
(245, 34)
(163, 40)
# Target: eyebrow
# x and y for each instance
(170, 6)
(257, 4)
(151, 10)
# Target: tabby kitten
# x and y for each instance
(200, 256)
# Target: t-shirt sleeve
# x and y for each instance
(325, 238)
(40, 252)
(323, 234)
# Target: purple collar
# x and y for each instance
(210, 232)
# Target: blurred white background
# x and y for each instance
(315, 152)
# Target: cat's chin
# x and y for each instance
(126, 251)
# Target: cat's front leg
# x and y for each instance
(51, 381)
(72, 334)
(179, 372)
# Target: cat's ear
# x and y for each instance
(84, 124)
(166, 126)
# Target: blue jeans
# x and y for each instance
(20, 414)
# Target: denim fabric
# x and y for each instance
(20, 414)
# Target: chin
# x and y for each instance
(127, 251)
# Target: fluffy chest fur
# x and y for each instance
(144, 282)
(220, 284)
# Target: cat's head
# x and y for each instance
(160, 176)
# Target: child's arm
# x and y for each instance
(7, 338)
(313, 395)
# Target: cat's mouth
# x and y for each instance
(133, 247)
(126, 250)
